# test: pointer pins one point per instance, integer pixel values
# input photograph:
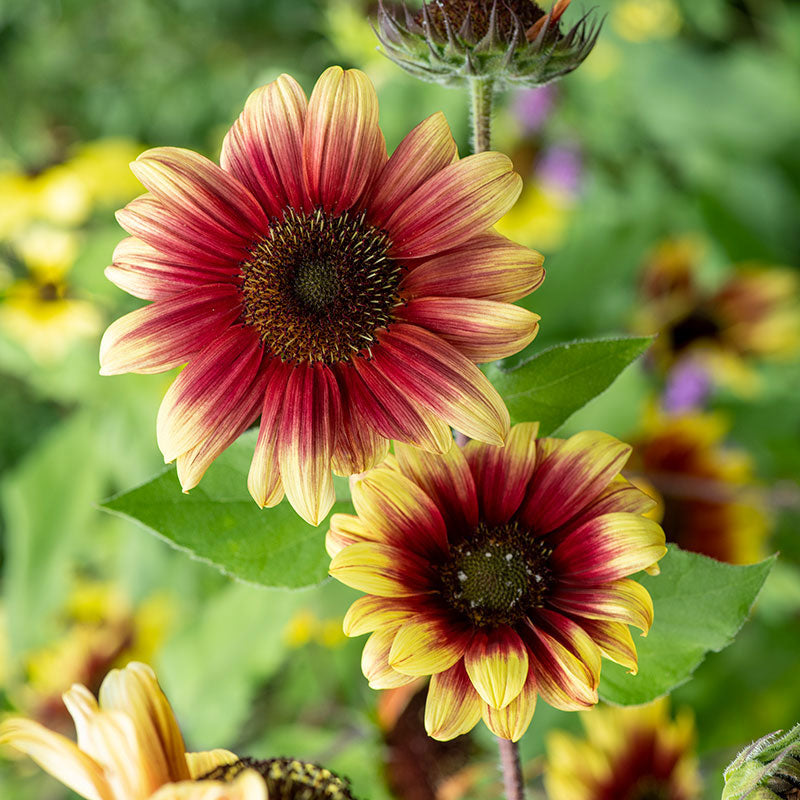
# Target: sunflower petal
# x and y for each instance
(375, 661)
(486, 267)
(343, 147)
(429, 643)
(382, 570)
(311, 414)
(453, 706)
(511, 721)
(497, 664)
(459, 201)
(264, 147)
(482, 330)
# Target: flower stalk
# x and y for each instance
(482, 96)
(512, 769)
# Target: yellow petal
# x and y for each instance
(513, 720)
(428, 645)
(58, 756)
(202, 763)
(453, 706)
(497, 665)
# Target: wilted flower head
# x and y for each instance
(343, 295)
(628, 753)
(500, 571)
(769, 769)
(512, 43)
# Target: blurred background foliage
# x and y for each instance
(662, 182)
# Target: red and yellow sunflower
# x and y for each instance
(342, 295)
(708, 500)
(628, 753)
(500, 571)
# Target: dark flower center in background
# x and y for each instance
(480, 14)
(497, 575)
(694, 327)
(288, 779)
(319, 286)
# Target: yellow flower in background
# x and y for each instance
(708, 499)
(61, 196)
(644, 20)
(636, 752)
(43, 319)
(101, 630)
(103, 167)
(129, 746)
(541, 215)
(16, 201)
(47, 251)
(306, 627)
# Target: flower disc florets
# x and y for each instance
(319, 286)
(288, 778)
(496, 575)
(512, 43)
(501, 572)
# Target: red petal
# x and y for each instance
(343, 147)
(167, 333)
(311, 418)
(264, 148)
(502, 474)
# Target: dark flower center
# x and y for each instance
(318, 287)
(507, 14)
(497, 575)
(694, 327)
(288, 778)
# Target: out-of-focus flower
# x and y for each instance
(45, 320)
(688, 387)
(342, 295)
(644, 20)
(511, 43)
(47, 251)
(129, 746)
(103, 168)
(102, 631)
(769, 769)
(61, 196)
(709, 502)
(501, 572)
(560, 169)
(16, 202)
(627, 753)
(418, 767)
(542, 214)
(533, 106)
(754, 314)
(306, 627)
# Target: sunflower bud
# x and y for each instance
(769, 769)
(511, 43)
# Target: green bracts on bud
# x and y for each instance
(509, 43)
(769, 769)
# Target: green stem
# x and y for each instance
(482, 96)
(512, 769)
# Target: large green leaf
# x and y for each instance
(700, 604)
(219, 523)
(558, 381)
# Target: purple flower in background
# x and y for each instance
(688, 386)
(532, 106)
(560, 168)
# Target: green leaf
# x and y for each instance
(554, 384)
(219, 523)
(700, 605)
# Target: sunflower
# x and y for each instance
(343, 296)
(501, 572)
(129, 746)
(707, 499)
(628, 754)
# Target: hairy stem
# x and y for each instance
(512, 769)
(482, 95)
